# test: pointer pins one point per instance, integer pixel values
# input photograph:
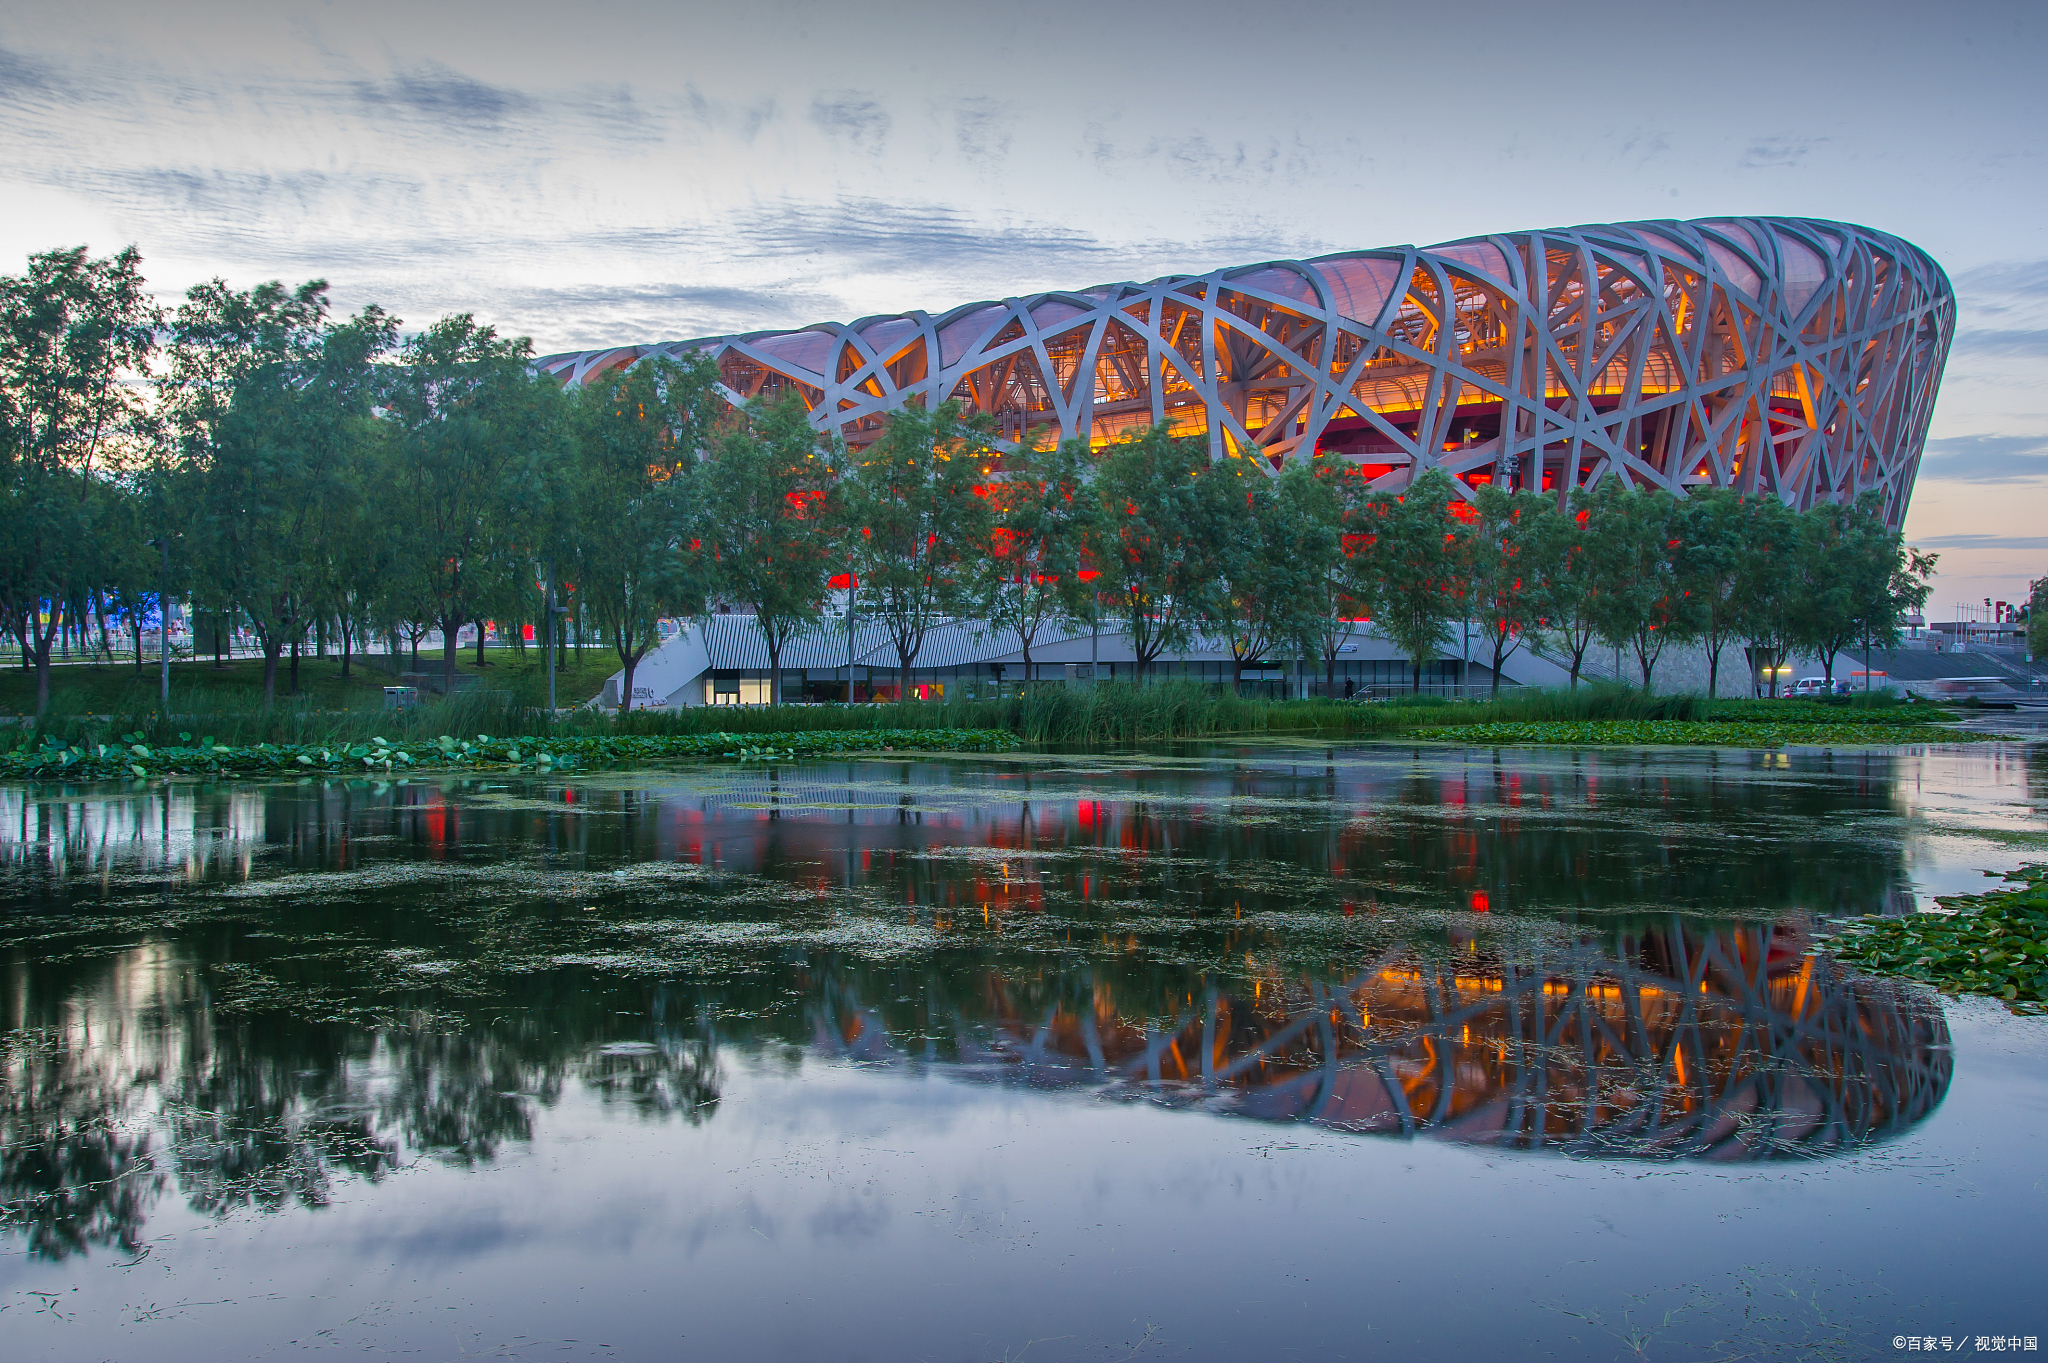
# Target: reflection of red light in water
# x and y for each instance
(1084, 887)
(1480, 903)
(1084, 814)
(568, 797)
(1349, 908)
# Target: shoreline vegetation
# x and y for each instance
(1994, 944)
(206, 736)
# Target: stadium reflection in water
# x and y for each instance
(239, 999)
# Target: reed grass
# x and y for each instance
(1107, 714)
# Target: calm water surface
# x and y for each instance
(1271, 1051)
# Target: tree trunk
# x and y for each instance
(775, 668)
(1713, 671)
(903, 676)
(626, 682)
(42, 655)
(449, 629)
(345, 631)
(480, 628)
(136, 622)
(271, 648)
(295, 664)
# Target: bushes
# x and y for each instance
(1110, 713)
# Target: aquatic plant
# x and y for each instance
(133, 756)
(1994, 943)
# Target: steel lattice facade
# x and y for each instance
(1781, 355)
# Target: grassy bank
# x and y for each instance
(1994, 943)
(118, 688)
(129, 756)
(350, 713)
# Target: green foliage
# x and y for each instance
(130, 755)
(641, 515)
(2037, 619)
(1154, 540)
(916, 523)
(768, 522)
(475, 435)
(1277, 546)
(1507, 580)
(1994, 943)
(1640, 604)
(75, 333)
(272, 409)
(1408, 570)
(1043, 513)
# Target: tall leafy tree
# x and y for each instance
(1151, 540)
(1886, 581)
(1409, 568)
(1505, 579)
(1277, 547)
(1335, 502)
(274, 413)
(74, 332)
(1642, 605)
(1855, 576)
(476, 430)
(1041, 510)
(919, 523)
(2037, 609)
(639, 433)
(1709, 526)
(1767, 585)
(768, 525)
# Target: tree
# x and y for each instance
(1641, 603)
(1892, 581)
(1408, 567)
(2037, 610)
(1034, 574)
(73, 332)
(918, 523)
(1149, 540)
(475, 430)
(1767, 586)
(1708, 565)
(1276, 546)
(1856, 579)
(638, 434)
(1505, 581)
(767, 525)
(1562, 544)
(1333, 598)
(272, 407)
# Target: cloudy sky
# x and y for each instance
(609, 172)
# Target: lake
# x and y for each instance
(1248, 1050)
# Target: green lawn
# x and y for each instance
(200, 686)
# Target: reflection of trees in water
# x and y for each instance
(120, 1082)
(1720, 1044)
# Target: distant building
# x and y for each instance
(722, 661)
(1788, 356)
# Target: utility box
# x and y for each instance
(401, 697)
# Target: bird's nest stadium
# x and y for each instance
(1786, 356)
